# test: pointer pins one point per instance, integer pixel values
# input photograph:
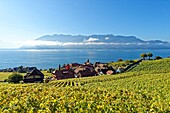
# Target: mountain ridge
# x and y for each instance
(96, 41)
(80, 38)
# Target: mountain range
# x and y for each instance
(95, 41)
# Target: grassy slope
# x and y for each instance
(153, 66)
(144, 89)
(4, 75)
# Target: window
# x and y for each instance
(29, 77)
(37, 76)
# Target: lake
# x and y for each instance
(44, 59)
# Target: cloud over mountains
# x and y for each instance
(92, 41)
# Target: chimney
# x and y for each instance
(59, 67)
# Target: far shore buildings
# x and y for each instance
(20, 69)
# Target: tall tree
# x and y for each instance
(150, 55)
(143, 55)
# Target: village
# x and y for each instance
(72, 70)
(76, 70)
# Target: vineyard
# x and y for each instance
(152, 67)
(146, 88)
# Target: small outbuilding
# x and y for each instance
(34, 76)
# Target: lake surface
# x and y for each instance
(44, 59)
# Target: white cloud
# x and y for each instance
(31, 43)
(106, 38)
(39, 42)
(95, 43)
(91, 39)
(72, 43)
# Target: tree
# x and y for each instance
(119, 60)
(131, 61)
(15, 78)
(143, 55)
(150, 55)
(50, 70)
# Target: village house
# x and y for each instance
(82, 70)
(34, 76)
(74, 65)
(85, 71)
(99, 64)
(120, 70)
(63, 74)
(88, 63)
(102, 68)
(106, 71)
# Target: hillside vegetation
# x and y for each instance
(4, 75)
(140, 90)
(153, 66)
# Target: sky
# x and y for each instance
(23, 20)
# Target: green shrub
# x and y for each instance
(131, 61)
(120, 60)
(158, 57)
(15, 78)
(6, 80)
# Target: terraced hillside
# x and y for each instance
(153, 66)
(140, 90)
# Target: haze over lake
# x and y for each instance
(44, 59)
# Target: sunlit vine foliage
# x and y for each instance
(136, 91)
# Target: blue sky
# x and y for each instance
(22, 20)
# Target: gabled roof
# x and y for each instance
(74, 64)
(85, 73)
(35, 72)
(63, 72)
(84, 67)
